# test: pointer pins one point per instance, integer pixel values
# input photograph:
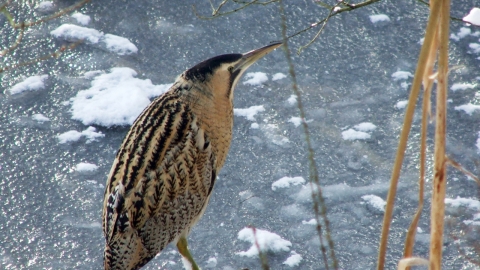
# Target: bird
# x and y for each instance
(164, 172)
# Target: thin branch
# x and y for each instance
(17, 42)
(317, 197)
(216, 11)
(459, 167)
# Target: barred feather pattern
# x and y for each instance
(160, 181)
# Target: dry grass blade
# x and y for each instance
(405, 263)
(459, 167)
(439, 180)
(426, 112)
(417, 81)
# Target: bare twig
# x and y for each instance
(216, 11)
(459, 167)
(319, 206)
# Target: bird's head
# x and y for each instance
(221, 74)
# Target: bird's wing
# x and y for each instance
(162, 155)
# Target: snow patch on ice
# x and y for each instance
(310, 222)
(119, 45)
(478, 143)
(401, 104)
(254, 126)
(40, 117)
(278, 76)
(379, 18)
(468, 108)
(286, 181)
(475, 47)
(72, 136)
(32, 83)
(73, 33)
(267, 241)
(401, 75)
(466, 202)
(463, 32)
(462, 86)
(473, 17)
(130, 95)
(250, 112)
(351, 135)
(45, 6)
(292, 100)
(375, 201)
(255, 78)
(293, 260)
(86, 167)
(365, 126)
(81, 18)
(211, 262)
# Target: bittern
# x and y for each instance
(164, 172)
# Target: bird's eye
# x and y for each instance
(230, 69)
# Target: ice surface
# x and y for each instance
(278, 76)
(375, 201)
(267, 241)
(468, 108)
(119, 45)
(32, 83)
(478, 142)
(351, 135)
(130, 95)
(250, 112)
(462, 86)
(465, 202)
(40, 117)
(379, 18)
(86, 167)
(81, 18)
(286, 181)
(45, 6)
(401, 75)
(293, 260)
(255, 78)
(473, 16)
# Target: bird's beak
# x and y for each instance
(251, 57)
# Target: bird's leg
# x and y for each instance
(182, 247)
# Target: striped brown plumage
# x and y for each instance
(164, 172)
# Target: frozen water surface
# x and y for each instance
(51, 212)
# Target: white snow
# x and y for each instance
(401, 104)
(92, 74)
(115, 98)
(113, 43)
(365, 126)
(478, 142)
(211, 262)
(81, 18)
(286, 181)
(351, 134)
(267, 241)
(72, 33)
(297, 121)
(255, 78)
(401, 75)
(250, 112)
(419, 230)
(379, 18)
(475, 47)
(463, 32)
(462, 86)
(119, 45)
(40, 117)
(375, 201)
(469, 203)
(292, 100)
(473, 17)
(254, 126)
(73, 135)
(45, 6)
(293, 260)
(310, 222)
(278, 76)
(32, 83)
(85, 167)
(468, 108)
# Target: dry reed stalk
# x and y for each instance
(417, 81)
(439, 180)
